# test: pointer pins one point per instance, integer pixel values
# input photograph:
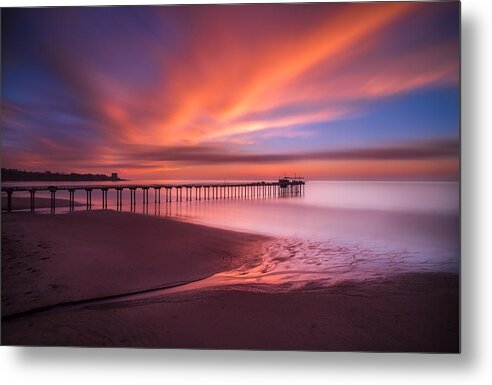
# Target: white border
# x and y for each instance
(139, 366)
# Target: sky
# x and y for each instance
(329, 91)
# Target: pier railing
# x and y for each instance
(193, 191)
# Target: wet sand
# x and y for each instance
(52, 263)
(24, 203)
(52, 259)
(415, 313)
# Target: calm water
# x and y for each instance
(336, 231)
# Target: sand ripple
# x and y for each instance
(297, 263)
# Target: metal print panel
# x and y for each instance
(264, 176)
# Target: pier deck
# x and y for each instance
(193, 191)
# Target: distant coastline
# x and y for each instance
(14, 175)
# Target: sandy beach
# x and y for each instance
(66, 280)
(52, 259)
(24, 203)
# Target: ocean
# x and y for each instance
(335, 231)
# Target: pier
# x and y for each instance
(286, 186)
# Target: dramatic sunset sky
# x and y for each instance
(330, 91)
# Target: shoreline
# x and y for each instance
(24, 203)
(67, 279)
(407, 313)
(51, 259)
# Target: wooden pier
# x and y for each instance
(284, 187)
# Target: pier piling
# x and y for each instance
(31, 193)
(53, 198)
(283, 188)
(71, 200)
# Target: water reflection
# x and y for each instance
(337, 230)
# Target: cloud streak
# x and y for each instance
(209, 84)
(211, 154)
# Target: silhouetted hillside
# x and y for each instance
(13, 175)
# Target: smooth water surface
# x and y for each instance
(335, 231)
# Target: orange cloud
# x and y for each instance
(231, 75)
(217, 81)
